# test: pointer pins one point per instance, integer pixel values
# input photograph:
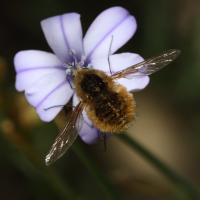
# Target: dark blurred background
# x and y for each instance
(168, 122)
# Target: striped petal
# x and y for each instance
(31, 65)
(116, 22)
(50, 90)
(64, 32)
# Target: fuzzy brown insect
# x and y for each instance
(107, 103)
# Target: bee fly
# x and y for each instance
(108, 104)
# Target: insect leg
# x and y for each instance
(67, 65)
(104, 136)
(109, 54)
(91, 126)
(70, 83)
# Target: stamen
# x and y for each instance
(75, 60)
(83, 57)
(78, 65)
(90, 66)
(67, 65)
(81, 63)
(68, 71)
(72, 52)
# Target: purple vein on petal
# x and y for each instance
(51, 93)
(36, 68)
(107, 35)
(63, 31)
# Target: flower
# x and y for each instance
(43, 76)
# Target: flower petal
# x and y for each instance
(88, 133)
(31, 65)
(118, 62)
(116, 22)
(64, 32)
(134, 85)
(50, 90)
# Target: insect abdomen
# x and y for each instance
(111, 110)
(115, 113)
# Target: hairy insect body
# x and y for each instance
(108, 104)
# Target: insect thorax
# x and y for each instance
(94, 86)
(91, 85)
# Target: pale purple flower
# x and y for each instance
(43, 76)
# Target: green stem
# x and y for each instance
(184, 186)
(94, 169)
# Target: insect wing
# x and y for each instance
(149, 66)
(67, 135)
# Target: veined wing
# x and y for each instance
(67, 135)
(148, 66)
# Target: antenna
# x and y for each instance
(109, 54)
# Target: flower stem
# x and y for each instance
(186, 189)
(96, 172)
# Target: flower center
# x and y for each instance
(76, 64)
